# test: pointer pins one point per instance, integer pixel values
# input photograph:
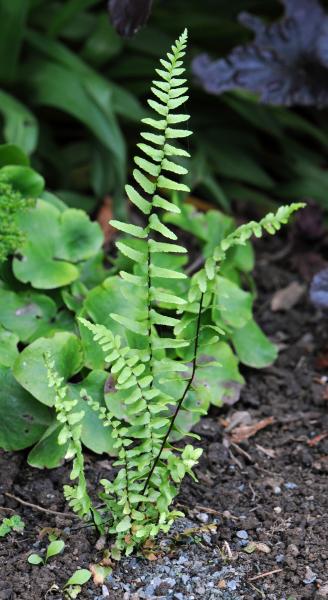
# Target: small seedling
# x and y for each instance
(72, 587)
(55, 547)
(15, 523)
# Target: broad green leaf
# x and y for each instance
(80, 577)
(23, 179)
(20, 125)
(131, 324)
(233, 304)
(30, 369)
(12, 28)
(253, 348)
(94, 435)
(55, 240)
(27, 314)
(23, 420)
(123, 525)
(55, 548)
(47, 453)
(12, 155)
(8, 347)
(115, 295)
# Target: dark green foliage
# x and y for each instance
(71, 85)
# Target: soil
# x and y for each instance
(256, 523)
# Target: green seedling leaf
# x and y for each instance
(54, 548)
(30, 370)
(14, 523)
(80, 577)
(254, 349)
(35, 559)
(23, 420)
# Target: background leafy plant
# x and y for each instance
(71, 88)
(57, 273)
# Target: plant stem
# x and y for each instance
(176, 412)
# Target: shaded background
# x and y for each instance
(73, 92)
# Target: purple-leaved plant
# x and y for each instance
(128, 16)
(286, 64)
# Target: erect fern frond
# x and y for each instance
(155, 176)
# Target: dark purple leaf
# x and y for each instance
(287, 63)
(319, 289)
(128, 16)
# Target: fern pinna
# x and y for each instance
(153, 376)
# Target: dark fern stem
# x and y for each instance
(179, 405)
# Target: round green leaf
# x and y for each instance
(23, 419)
(217, 377)
(94, 435)
(8, 347)
(232, 303)
(47, 453)
(80, 239)
(117, 296)
(253, 347)
(35, 559)
(55, 239)
(27, 314)
(30, 370)
(80, 577)
(23, 179)
(39, 264)
(12, 155)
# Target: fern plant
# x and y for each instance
(150, 379)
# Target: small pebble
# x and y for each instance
(242, 534)
(310, 577)
(289, 485)
(277, 490)
(280, 558)
(277, 509)
(232, 585)
(203, 517)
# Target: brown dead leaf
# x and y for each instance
(99, 573)
(105, 214)
(257, 547)
(239, 417)
(315, 441)
(285, 298)
(151, 556)
(243, 432)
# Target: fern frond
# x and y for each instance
(70, 434)
(155, 175)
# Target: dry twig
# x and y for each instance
(40, 508)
